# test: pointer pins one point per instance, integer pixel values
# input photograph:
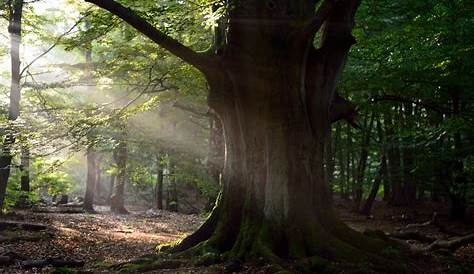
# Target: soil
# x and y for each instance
(104, 239)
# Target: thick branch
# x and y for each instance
(198, 60)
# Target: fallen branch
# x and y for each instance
(26, 238)
(412, 235)
(23, 226)
(63, 210)
(56, 262)
(451, 244)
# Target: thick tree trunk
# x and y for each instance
(120, 156)
(14, 29)
(275, 200)
(159, 183)
(91, 180)
(272, 91)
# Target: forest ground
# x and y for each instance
(104, 239)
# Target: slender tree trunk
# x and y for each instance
(348, 162)
(111, 188)
(14, 28)
(120, 155)
(341, 161)
(25, 169)
(394, 165)
(367, 208)
(98, 185)
(172, 196)
(330, 162)
(159, 183)
(364, 153)
(24, 177)
(91, 180)
(409, 185)
(459, 182)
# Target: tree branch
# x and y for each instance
(200, 61)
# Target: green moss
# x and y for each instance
(207, 259)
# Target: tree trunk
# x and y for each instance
(159, 183)
(409, 185)
(215, 163)
(459, 182)
(364, 153)
(394, 165)
(24, 177)
(340, 150)
(111, 188)
(14, 29)
(120, 156)
(25, 169)
(172, 189)
(272, 91)
(91, 180)
(98, 175)
(275, 197)
(367, 208)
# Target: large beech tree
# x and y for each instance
(272, 91)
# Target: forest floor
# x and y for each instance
(104, 239)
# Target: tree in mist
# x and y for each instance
(120, 155)
(15, 11)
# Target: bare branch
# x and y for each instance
(52, 46)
